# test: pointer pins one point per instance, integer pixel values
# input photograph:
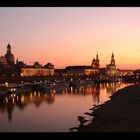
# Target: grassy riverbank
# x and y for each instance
(120, 114)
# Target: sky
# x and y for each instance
(68, 36)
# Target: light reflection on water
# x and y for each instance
(52, 111)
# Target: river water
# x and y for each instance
(54, 111)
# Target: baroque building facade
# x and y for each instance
(37, 70)
(95, 65)
(111, 68)
(9, 56)
(93, 69)
(9, 68)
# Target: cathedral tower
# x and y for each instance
(111, 68)
(97, 62)
(112, 60)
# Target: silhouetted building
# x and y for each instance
(85, 70)
(79, 70)
(37, 65)
(60, 72)
(20, 64)
(3, 60)
(7, 63)
(49, 66)
(9, 56)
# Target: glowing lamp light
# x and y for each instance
(6, 84)
(54, 91)
(12, 89)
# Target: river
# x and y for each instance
(54, 111)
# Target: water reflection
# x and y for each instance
(9, 102)
(98, 92)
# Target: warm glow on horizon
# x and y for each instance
(68, 36)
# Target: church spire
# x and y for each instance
(112, 59)
(97, 58)
(17, 61)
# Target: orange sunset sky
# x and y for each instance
(72, 35)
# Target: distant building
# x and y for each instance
(79, 70)
(89, 70)
(37, 65)
(111, 68)
(95, 64)
(60, 72)
(38, 70)
(103, 73)
(126, 72)
(3, 60)
(7, 67)
(9, 56)
(49, 66)
(20, 64)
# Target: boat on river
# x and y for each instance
(15, 88)
(18, 90)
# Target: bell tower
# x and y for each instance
(112, 60)
(97, 62)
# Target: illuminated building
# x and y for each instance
(126, 72)
(38, 70)
(84, 70)
(9, 68)
(95, 64)
(111, 68)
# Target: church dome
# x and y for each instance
(9, 56)
(49, 65)
(37, 65)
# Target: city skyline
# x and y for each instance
(72, 35)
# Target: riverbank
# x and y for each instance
(120, 114)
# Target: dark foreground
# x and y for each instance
(120, 114)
